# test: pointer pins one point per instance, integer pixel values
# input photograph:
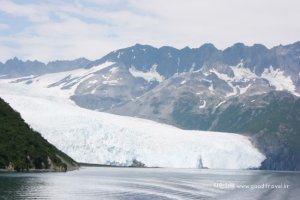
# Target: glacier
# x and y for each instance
(96, 137)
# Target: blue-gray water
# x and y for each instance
(140, 183)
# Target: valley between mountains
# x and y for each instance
(236, 108)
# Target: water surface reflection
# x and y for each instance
(139, 183)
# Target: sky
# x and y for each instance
(68, 29)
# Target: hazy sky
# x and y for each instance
(67, 29)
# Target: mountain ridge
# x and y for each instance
(206, 47)
(193, 88)
(15, 67)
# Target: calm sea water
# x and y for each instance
(141, 183)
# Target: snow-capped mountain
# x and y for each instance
(205, 72)
(203, 88)
(18, 68)
(169, 61)
(95, 137)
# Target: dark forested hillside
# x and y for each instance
(23, 149)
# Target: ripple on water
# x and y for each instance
(145, 184)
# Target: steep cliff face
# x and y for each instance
(23, 149)
(272, 121)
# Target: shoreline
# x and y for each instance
(80, 165)
(39, 170)
(113, 166)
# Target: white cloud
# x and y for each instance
(92, 28)
(35, 13)
(4, 26)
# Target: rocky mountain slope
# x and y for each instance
(102, 138)
(203, 88)
(23, 149)
(205, 72)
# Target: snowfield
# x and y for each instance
(94, 137)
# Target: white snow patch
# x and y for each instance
(222, 76)
(244, 89)
(114, 70)
(221, 103)
(182, 82)
(94, 91)
(95, 137)
(69, 78)
(151, 75)
(110, 82)
(92, 82)
(234, 92)
(211, 88)
(193, 67)
(204, 73)
(210, 81)
(229, 81)
(242, 74)
(203, 104)
(277, 78)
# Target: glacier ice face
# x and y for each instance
(94, 137)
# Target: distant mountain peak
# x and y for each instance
(208, 46)
(14, 59)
